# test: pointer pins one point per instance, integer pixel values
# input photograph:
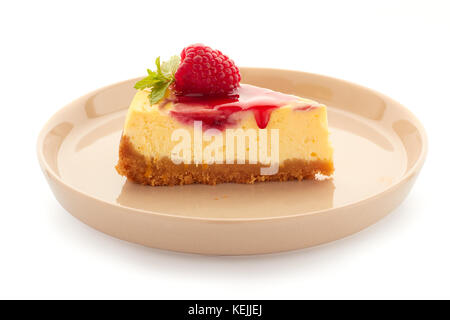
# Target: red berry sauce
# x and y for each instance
(220, 113)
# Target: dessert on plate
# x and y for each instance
(192, 121)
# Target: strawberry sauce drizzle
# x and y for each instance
(219, 113)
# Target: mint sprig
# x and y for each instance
(159, 81)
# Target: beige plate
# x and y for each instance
(379, 149)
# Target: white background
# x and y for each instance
(51, 52)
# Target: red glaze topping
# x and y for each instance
(219, 113)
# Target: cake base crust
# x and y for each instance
(163, 172)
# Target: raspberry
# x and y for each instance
(206, 71)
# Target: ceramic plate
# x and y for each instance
(379, 149)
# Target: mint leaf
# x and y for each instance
(158, 65)
(158, 92)
(148, 81)
(169, 68)
(159, 81)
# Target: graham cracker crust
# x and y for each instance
(163, 172)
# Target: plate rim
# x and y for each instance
(414, 170)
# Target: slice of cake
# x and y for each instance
(193, 122)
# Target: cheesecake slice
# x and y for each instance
(246, 135)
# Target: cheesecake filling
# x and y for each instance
(301, 123)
